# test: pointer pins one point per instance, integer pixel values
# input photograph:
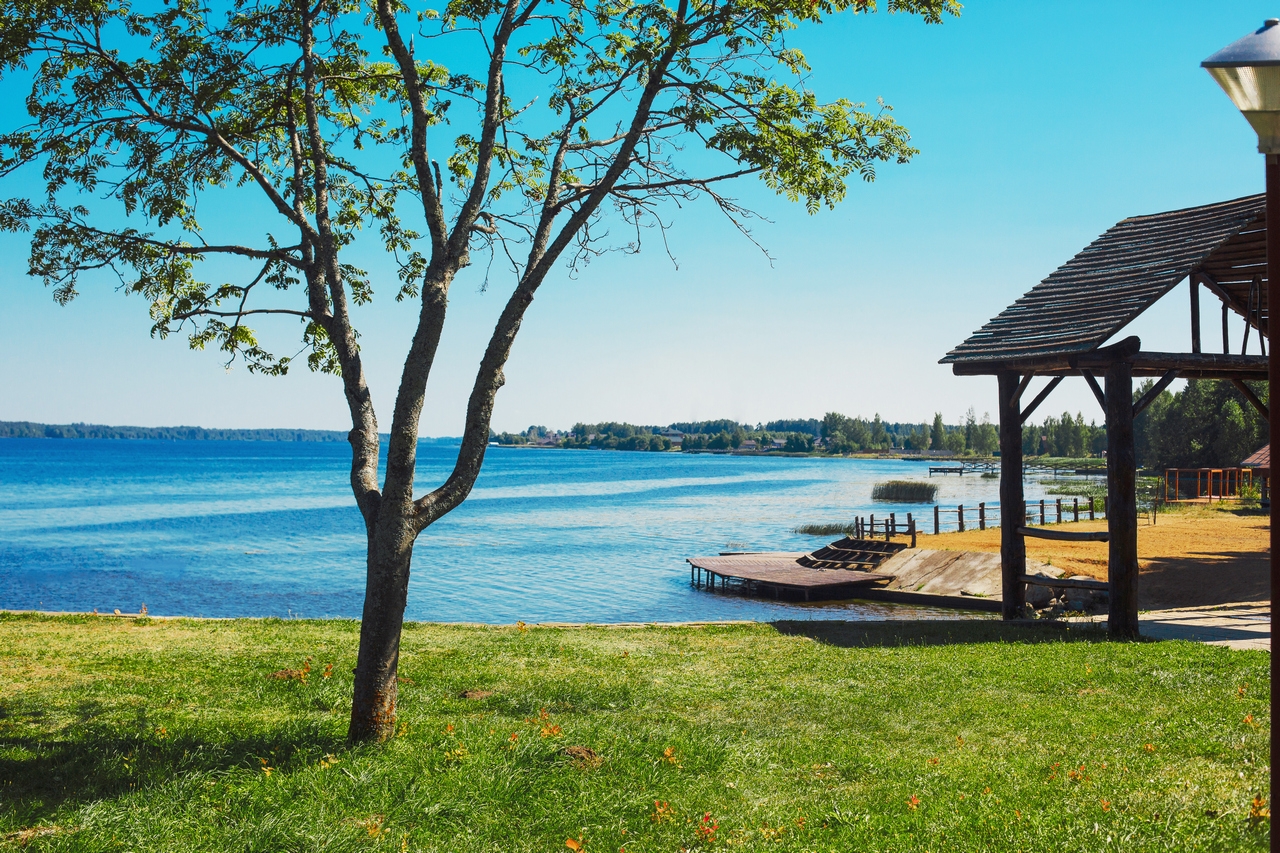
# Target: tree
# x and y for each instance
(985, 438)
(938, 434)
(970, 429)
(155, 110)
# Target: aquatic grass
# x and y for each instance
(967, 736)
(905, 491)
(836, 529)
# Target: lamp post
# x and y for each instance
(1248, 70)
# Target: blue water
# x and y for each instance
(229, 528)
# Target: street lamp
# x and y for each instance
(1248, 70)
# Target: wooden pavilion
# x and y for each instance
(1061, 328)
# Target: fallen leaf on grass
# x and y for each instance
(1258, 811)
(584, 757)
(476, 694)
(294, 674)
(574, 844)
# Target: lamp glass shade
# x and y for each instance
(1255, 90)
(1248, 70)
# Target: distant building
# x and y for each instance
(749, 444)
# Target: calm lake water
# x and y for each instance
(214, 528)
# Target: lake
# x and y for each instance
(242, 528)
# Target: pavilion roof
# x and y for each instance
(1260, 459)
(1123, 272)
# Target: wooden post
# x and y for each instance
(1013, 549)
(1226, 340)
(911, 528)
(936, 513)
(1042, 521)
(893, 521)
(1195, 314)
(960, 517)
(1075, 508)
(1122, 511)
(982, 515)
(1059, 502)
(1091, 515)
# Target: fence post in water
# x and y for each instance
(982, 515)
(936, 529)
(1042, 512)
(960, 517)
(1075, 508)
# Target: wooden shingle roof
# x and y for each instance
(1122, 273)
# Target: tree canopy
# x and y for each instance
(521, 130)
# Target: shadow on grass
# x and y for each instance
(925, 632)
(42, 771)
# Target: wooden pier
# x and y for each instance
(840, 570)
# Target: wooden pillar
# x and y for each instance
(1226, 337)
(1122, 509)
(1013, 550)
(1195, 313)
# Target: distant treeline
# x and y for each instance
(27, 429)
(1208, 424)
(834, 434)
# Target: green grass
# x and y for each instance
(159, 735)
(909, 491)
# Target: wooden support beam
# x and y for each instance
(1189, 365)
(1195, 313)
(1040, 398)
(1064, 583)
(1096, 389)
(1226, 337)
(1227, 299)
(1022, 386)
(1122, 509)
(1252, 398)
(1254, 306)
(1065, 535)
(1153, 392)
(1013, 549)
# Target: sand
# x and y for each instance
(1191, 557)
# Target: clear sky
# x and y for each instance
(1040, 125)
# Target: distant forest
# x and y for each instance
(1208, 424)
(27, 429)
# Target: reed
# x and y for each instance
(826, 530)
(904, 491)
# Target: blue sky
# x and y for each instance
(1040, 125)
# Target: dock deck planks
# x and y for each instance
(792, 572)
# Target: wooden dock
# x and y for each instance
(839, 570)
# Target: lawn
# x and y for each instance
(120, 734)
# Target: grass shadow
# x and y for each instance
(935, 632)
(43, 771)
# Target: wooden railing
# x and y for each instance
(983, 515)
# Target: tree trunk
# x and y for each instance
(373, 704)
